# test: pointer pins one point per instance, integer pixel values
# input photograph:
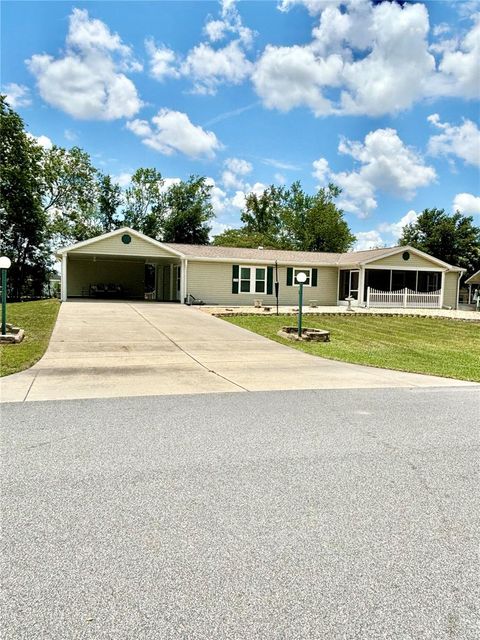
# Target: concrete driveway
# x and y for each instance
(113, 349)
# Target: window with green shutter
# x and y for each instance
(235, 273)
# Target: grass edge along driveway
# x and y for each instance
(433, 346)
(37, 319)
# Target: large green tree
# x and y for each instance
(452, 238)
(290, 218)
(187, 211)
(70, 195)
(109, 200)
(23, 224)
(144, 202)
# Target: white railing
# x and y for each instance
(405, 298)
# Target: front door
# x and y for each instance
(348, 284)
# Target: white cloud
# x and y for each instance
(239, 166)
(369, 59)
(368, 240)
(43, 141)
(123, 179)
(321, 170)
(162, 61)
(17, 95)
(386, 164)
(230, 22)
(386, 233)
(467, 204)
(285, 166)
(218, 198)
(171, 131)
(462, 141)
(313, 6)
(209, 67)
(459, 68)
(395, 229)
(70, 135)
(288, 77)
(88, 81)
(238, 200)
(236, 168)
(280, 178)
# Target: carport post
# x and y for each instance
(64, 278)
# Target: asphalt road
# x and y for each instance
(349, 514)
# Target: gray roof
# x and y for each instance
(293, 257)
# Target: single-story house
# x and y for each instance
(128, 264)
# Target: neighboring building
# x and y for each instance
(125, 263)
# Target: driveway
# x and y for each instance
(115, 349)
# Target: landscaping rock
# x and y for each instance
(308, 335)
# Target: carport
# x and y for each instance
(123, 265)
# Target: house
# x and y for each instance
(128, 264)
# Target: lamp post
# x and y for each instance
(5, 264)
(301, 278)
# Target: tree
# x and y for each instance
(144, 203)
(23, 222)
(314, 223)
(262, 211)
(187, 211)
(70, 195)
(292, 219)
(109, 201)
(244, 238)
(452, 238)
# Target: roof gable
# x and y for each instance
(112, 243)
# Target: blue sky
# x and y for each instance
(380, 99)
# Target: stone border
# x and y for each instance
(223, 314)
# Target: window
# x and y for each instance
(307, 272)
(253, 279)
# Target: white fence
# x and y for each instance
(405, 298)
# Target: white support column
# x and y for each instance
(185, 279)
(63, 281)
(442, 288)
(361, 280)
(183, 266)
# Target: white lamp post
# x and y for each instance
(301, 278)
(5, 263)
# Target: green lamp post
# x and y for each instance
(5, 264)
(301, 278)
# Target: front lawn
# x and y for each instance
(434, 346)
(38, 319)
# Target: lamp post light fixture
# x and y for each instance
(301, 278)
(5, 263)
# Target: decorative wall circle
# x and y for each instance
(126, 239)
(406, 255)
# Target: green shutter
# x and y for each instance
(314, 277)
(269, 280)
(235, 276)
(289, 276)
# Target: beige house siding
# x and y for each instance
(114, 246)
(450, 289)
(82, 273)
(212, 283)
(400, 263)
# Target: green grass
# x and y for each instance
(37, 319)
(434, 346)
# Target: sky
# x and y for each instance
(380, 98)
